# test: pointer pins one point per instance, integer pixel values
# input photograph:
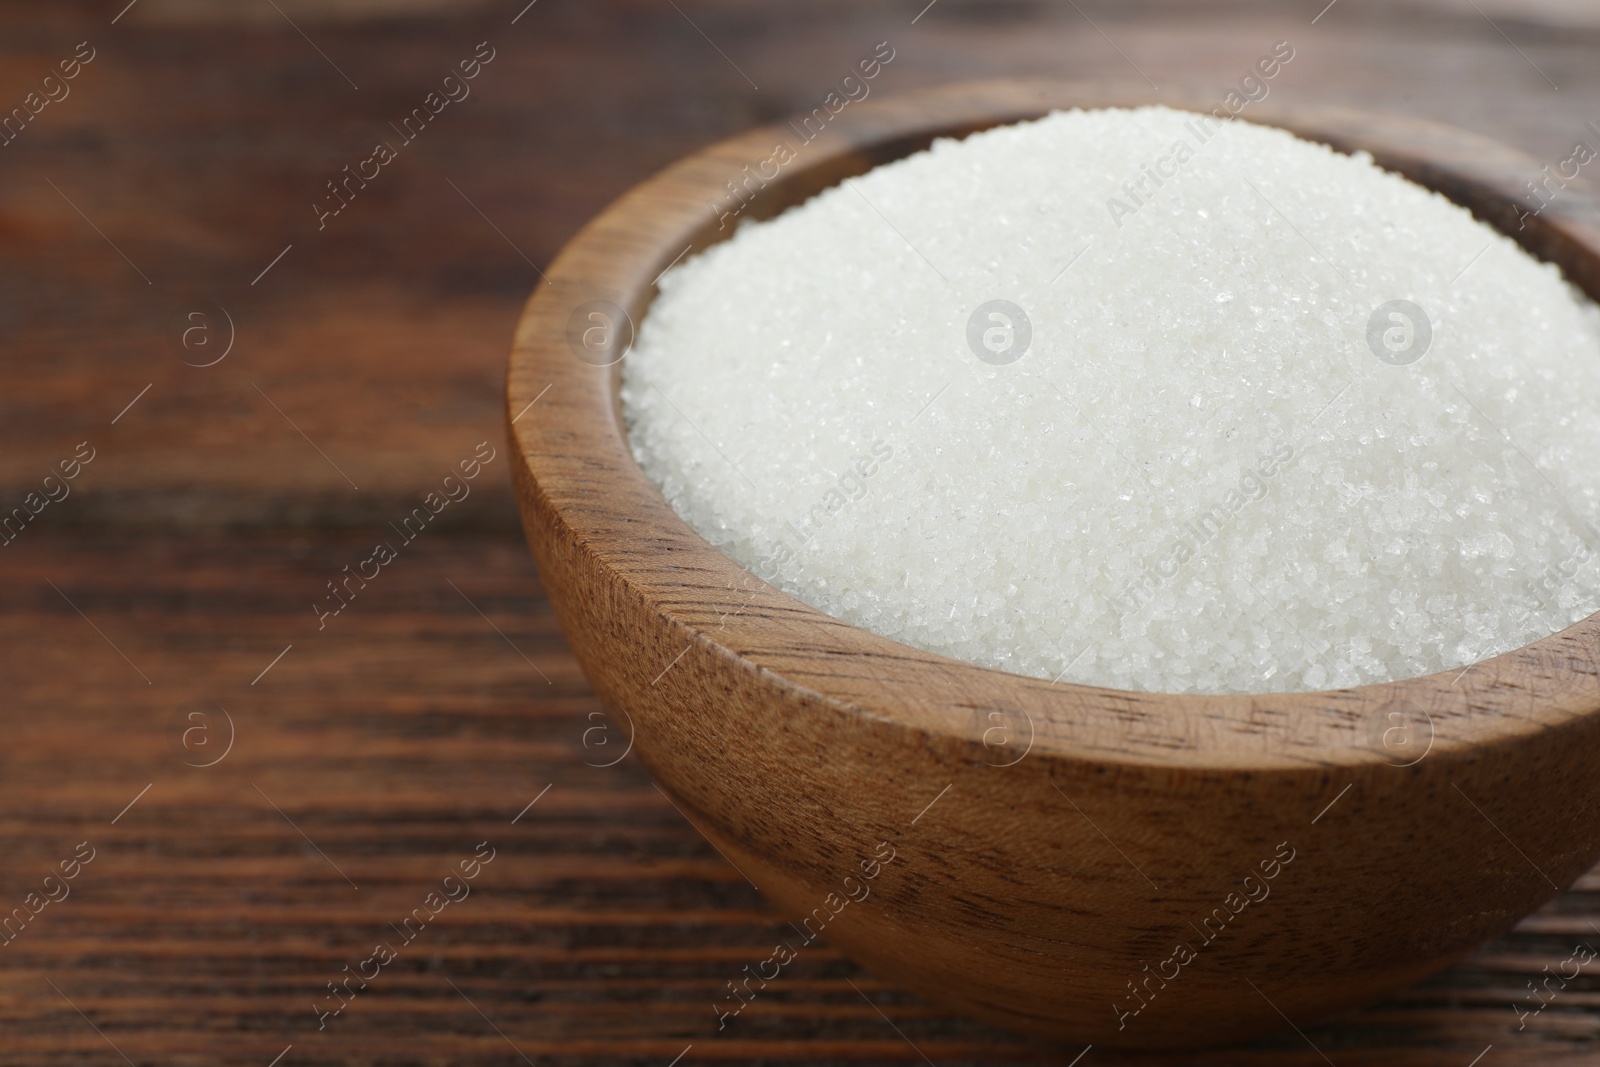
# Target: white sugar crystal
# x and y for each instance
(1200, 476)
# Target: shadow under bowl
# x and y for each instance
(1084, 864)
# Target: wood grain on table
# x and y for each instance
(419, 723)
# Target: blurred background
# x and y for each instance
(266, 373)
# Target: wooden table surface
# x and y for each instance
(160, 616)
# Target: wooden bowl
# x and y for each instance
(1090, 865)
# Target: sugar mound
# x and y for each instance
(1067, 400)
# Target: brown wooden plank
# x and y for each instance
(602, 930)
(199, 145)
(410, 730)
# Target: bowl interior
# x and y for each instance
(577, 462)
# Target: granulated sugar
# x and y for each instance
(1209, 459)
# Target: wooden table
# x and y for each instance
(163, 207)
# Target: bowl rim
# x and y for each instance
(575, 465)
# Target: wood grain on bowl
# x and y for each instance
(1086, 864)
